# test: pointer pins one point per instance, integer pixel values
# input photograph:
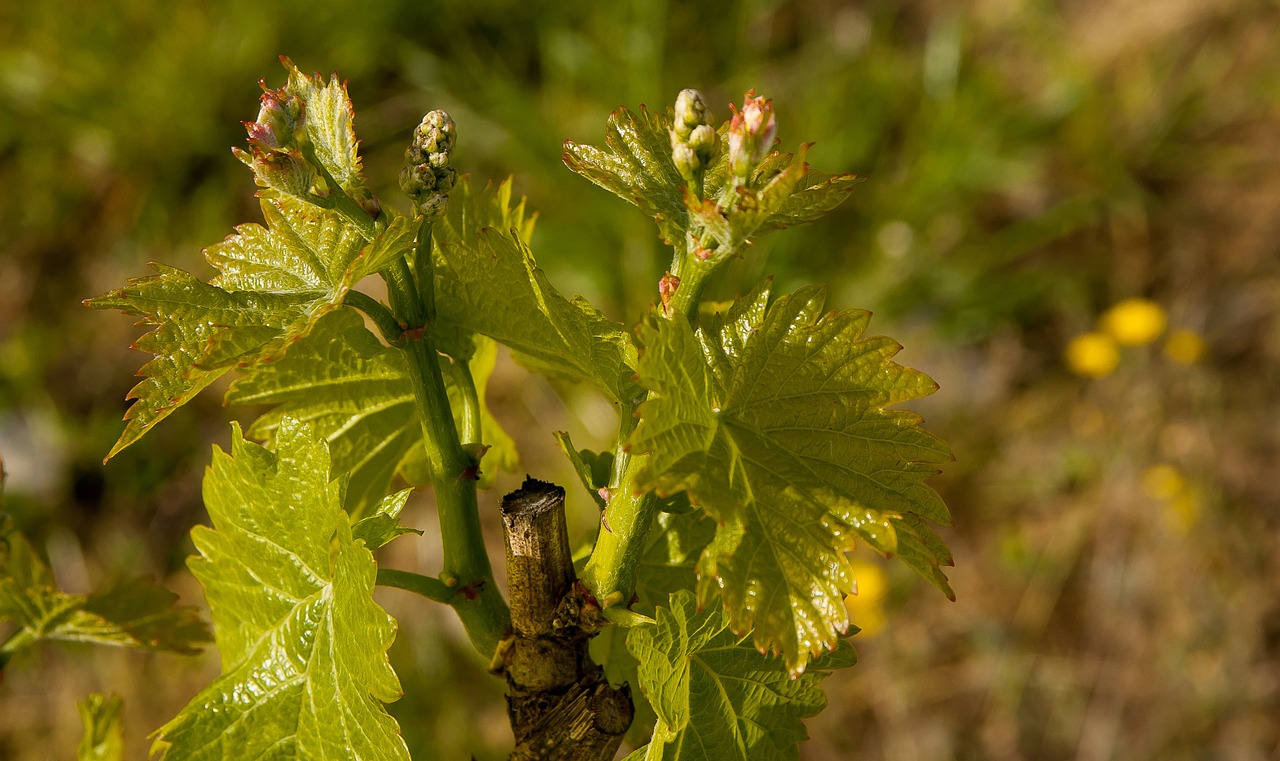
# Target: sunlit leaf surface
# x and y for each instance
(775, 420)
(303, 644)
(716, 697)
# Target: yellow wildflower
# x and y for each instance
(864, 606)
(1163, 482)
(1181, 503)
(1094, 355)
(1134, 322)
(1184, 346)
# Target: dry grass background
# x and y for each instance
(1096, 618)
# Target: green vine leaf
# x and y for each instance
(103, 738)
(303, 644)
(715, 696)
(636, 166)
(488, 283)
(783, 192)
(669, 562)
(303, 139)
(276, 281)
(134, 613)
(774, 420)
(384, 525)
(356, 393)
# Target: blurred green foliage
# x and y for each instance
(1027, 164)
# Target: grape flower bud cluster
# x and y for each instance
(694, 142)
(427, 177)
(751, 134)
(277, 141)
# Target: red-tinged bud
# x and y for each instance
(667, 287)
(281, 123)
(751, 134)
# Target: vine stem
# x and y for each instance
(610, 572)
(426, 586)
(466, 567)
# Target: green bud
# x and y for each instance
(693, 140)
(686, 161)
(691, 111)
(705, 143)
(427, 177)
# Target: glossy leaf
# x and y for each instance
(636, 166)
(715, 696)
(384, 525)
(298, 154)
(775, 421)
(303, 644)
(357, 394)
(784, 192)
(276, 283)
(134, 613)
(592, 468)
(103, 738)
(490, 284)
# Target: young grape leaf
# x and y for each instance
(103, 738)
(487, 282)
(592, 468)
(384, 525)
(133, 613)
(715, 696)
(774, 420)
(670, 559)
(783, 192)
(303, 644)
(357, 394)
(303, 140)
(471, 210)
(636, 166)
(276, 281)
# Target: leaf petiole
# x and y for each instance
(376, 311)
(426, 586)
(338, 200)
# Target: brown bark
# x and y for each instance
(559, 703)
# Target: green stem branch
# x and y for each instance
(466, 565)
(610, 572)
(428, 587)
(377, 311)
(18, 640)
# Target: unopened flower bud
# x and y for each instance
(445, 179)
(751, 134)
(691, 111)
(434, 205)
(281, 122)
(693, 140)
(436, 135)
(704, 141)
(686, 160)
(427, 177)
